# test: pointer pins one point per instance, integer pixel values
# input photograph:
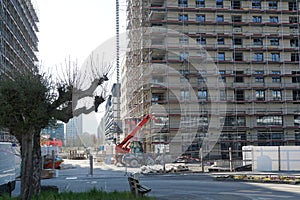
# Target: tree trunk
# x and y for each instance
(37, 165)
(27, 167)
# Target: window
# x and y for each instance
(200, 18)
(269, 120)
(219, 3)
(183, 40)
(239, 95)
(184, 72)
(202, 95)
(237, 41)
(294, 29)
(274, 41)
(183, 17)
(200, 3)
(256, 4)
(260, 95)
(237, 29)
(201, 80)
(293, 19)
(276, 79)
(270, 139)
(259, 72)
(201, 40)
(273, 5)
(259, 78)
(294, 42)
(182, 3)
(222, 95)
(297, 121)
(297, 138)
(220, 40)
(184, 79)
(296, 77)
(295, 57)
(157, 79)
(184, 95)
(235, 4)
(274, 19)
(258, 57)
(239, 78)
(275, 57)
(220, 18)
(258, 41)
(238, 56)
(157, 97)
(235, 121)
(276, 94)
(296, 95)
(236, 18)
(183, 56)
(256, 19)
(221, 56)
(221, 77)
(293, 6)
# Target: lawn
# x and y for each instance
(91, 195)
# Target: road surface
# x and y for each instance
(75, 177)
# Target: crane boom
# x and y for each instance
(123, 146)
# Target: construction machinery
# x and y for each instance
(130, 152)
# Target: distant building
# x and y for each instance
(73, 129)
(101, 132)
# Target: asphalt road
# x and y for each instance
(169, 186)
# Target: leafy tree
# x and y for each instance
(29, 102)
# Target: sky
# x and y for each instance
(73, 29)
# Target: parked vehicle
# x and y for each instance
(8, 168)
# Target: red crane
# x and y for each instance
(122, 147)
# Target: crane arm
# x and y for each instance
(120, 147)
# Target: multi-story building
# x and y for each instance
(226, 71)
(74, 128)
(18, 38)
(113, 127)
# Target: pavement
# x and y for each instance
(75, 176)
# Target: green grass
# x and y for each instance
(91, 195)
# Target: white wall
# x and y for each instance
(272, 158)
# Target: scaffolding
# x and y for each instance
(255, 48)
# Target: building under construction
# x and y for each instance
(214, 71)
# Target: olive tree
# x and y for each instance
(29, 102)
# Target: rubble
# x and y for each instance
(159, 169)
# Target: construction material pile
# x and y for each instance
(168, 168)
